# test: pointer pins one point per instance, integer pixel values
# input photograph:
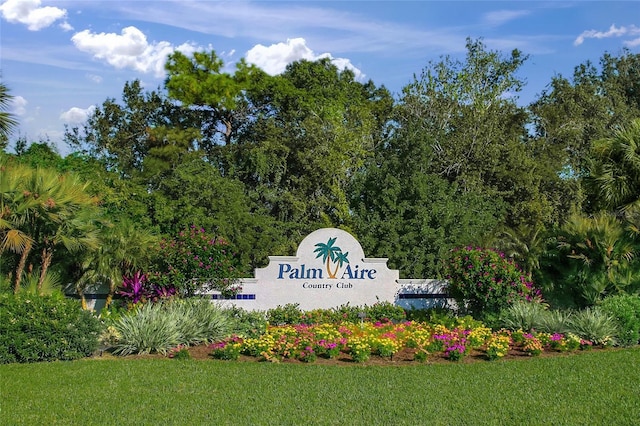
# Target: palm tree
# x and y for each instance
(615, 169)
(7, 122)
(123, 250)
(598, 254)
(14, 211)
(524, 244)
(44, 210)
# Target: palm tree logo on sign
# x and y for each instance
(331, 254)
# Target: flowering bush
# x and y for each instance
(180, 352)
(196, 260)
(532, 345)
(360, 341)
(307, 354)
(227, 349)
(483, 281)
(455, 352)
(498, 345)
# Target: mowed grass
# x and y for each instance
(585, 389)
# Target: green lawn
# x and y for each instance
(587, 388)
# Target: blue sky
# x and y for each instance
(60, 59)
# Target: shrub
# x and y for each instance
(483, 281)
(245, 323)
(594, 325)
(522, 315)
(45, 328)
(199, 321)
(195, 260)
(137, 288)
(287, 314)
(158, 327)
(554, 321)
(384, 312)
(147, 328)
(625, 309)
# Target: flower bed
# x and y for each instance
(417, 341)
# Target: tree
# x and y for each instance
(123, 250)
(199, 84)
(196, 192)
(594, 256)
(7, 120)
(51, 210)
(614, 172)
(13, 237)
(572, 113)
(316, 126)
(476, 134)
(121, 135)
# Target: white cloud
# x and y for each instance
(95, 78)
(30, 13)
(613, 31)
(632, 43)
(77, 115)
(130, 49)
(19, 105)
(499, 17)
(275, 58)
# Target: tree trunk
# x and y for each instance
(47, 255)
(20, 268)
(83, 300)
(112, 290)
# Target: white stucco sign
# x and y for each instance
(329, 270)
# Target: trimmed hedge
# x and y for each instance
(45, 328)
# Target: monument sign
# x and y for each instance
(328, 270)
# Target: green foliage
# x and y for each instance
(287, 314)
(196, 260)
(554, 321)
(179, 353)
(119, 134)
(246, 324)
(36, 328)
(43, 212)
(200, 321)
(625, 309)
(483, 281)
(384, 311)
(523, 315)
(594, 256)
(196, 192)
(614, 172)
(291, 314)
(415, 218)
(158, 327)
(573, 113)
(7, 120)
(595, 325)
(148, 328)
